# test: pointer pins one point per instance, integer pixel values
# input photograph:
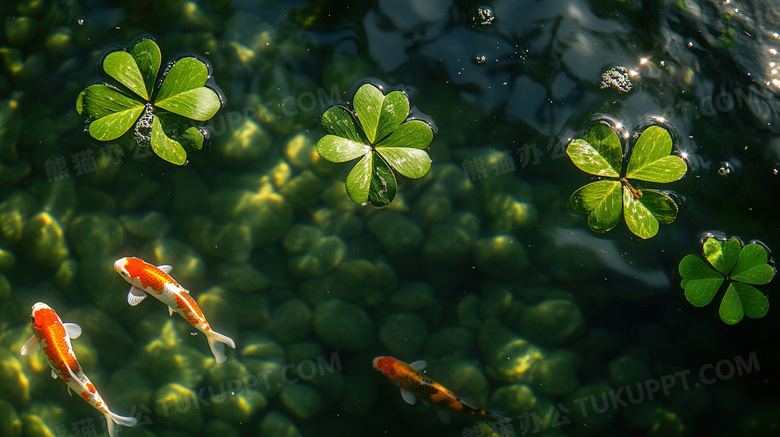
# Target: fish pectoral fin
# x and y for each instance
(73, 330)
(165, 268)
(408, 396)
(170, 311)
(30, 346)
(419, 365)
(468, 402)
(77, 379)
(135, 296)
(445, 416)
(53, 374)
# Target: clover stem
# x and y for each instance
(637, 194)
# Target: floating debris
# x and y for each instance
(617, 77)
(479, 59)
(484, 16)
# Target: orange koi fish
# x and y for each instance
(53, 336)
(414, 383)
(146, 278)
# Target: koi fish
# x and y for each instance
(414, 383)
(146, 278)
(53, 336)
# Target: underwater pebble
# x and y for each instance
(13, 382)
(496, 300)
(301, 400)
(508, 357)
(300, 237)
(14, 211)
(217, 304)
(177, 363)
(556, 373)
(248, 142)
(231, 241)
(354, 279)
(514, 397)
(133, 384)
(360, 395)
(275, 424)
(464, 377)
(396, 233)
(177, 404)
(303, 190)
(220, 428)
(5, 289)
(450, 342)
(300, 151)
(500, 256)
(551, 322)
(290, 321)
(20, 30)
(136, 192)
(261, 346)
(506, 214)
(469, 311)
(95, 235)
(343, 325)
(446, 246)
(242, 277)
(627, 370)
(412, 296)
(321, 257)
(34, 426)
(431, 208)
(341, 223)
(189, 268)
(100, 270)
(235, 407)
(10, 128)
(150, 224)
(267, 213)
(403, 334)
(44, 241)
(10, 423)
(581, 408)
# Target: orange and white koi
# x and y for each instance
(53, 336)
(146, 278)
(414, 383)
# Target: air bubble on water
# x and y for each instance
(80, 20)
(724, 169)
(718, 235)
(479, 59)
(483, 16)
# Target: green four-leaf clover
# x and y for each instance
(600, 153)
(378, 133)
(162, 116)
(742, 266)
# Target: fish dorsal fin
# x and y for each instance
(468, 402)
(445, 416)
(73, 330)
(165, 268)
(30, 346)
(419, 365)
(135, 296)
(408, 396)
(170, 311)
(53, 374)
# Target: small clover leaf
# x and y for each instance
(600, 153)
(741, 266)
(163, 120)
(378, 133)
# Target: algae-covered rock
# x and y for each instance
(242, 277)
(275, 424)
(178, 363)
(129, 387)
(464, 377)
(343, 325)
(248, 142)
(217, 305)
(412, 296)
(43, 241)
(95, 235)
(470, 312)
(338, 222)
(14, 211)
(514, 397)
(303, 189)
(500, 256)
(508, 357)
(627, 370)
(220, 428)
(496, 300)
(551, 322)
(450, 342)
(431, 208)
(290, 321)
(506, 214)
(403, 334)
(267, 213)
(556, 373)
(234, 406)
(355, 279)
(150, 224)
(446, 245)
(189, 268)
(396, 233)
(5, 288)
(322, 256)
(99, 269)
(10, 423)
(301, 400)
(13, 382)
(180, 407)
(10, 128)
(300, 150)
(590, 408)
(34, 426)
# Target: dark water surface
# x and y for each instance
(480, 268)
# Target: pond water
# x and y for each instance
(481, 268)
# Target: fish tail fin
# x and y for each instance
(115, 419)
(217, 344)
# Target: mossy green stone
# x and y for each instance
(514, 397)
(403, 334)
(412, 296)
(290, 321)
(234, 406)
(10, 423)
(180, 364)
(338, 222)
(556, 373)
(502, 257)
(628, 370)
(95, 235)
(43, 241)
(13, 382)
(243, 277)
(14, 211)
(581, 408)
(303, 190)
(247, 142)
(446, 246)
(551, 322)
(508, 357)
(450, 342)
(180, 408)
(275, 424)
(321, 257)
(301, 400)
(397, 234)
(343, 325)
(150, 224)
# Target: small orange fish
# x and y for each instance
(53, 336)
(414, 383)
(146, 278)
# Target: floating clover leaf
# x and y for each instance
(162, 117)
(600, 153)
(742, 266)
(378, 133)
